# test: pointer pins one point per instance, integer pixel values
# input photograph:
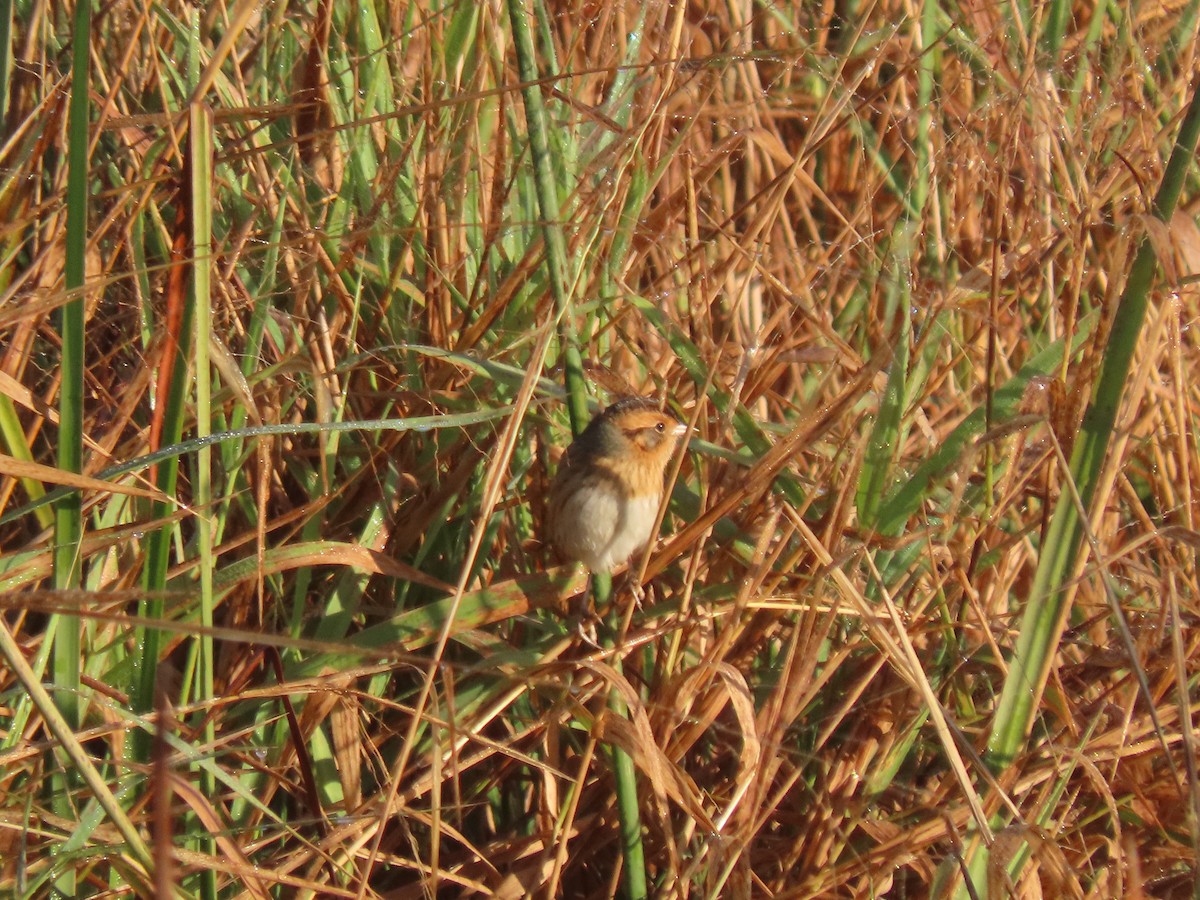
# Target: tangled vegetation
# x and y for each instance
(290, 293)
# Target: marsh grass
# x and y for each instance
(873, 258)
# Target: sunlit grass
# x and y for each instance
(874, 260)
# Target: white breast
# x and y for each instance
(603, 528)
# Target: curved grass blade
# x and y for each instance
(1046, 607)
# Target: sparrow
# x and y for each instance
(605, 496)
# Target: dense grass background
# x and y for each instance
(284, 310)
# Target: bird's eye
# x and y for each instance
(660, 427)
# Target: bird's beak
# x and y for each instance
(680, 429)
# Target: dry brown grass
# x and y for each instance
(777, 225)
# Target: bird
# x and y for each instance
(604, 499)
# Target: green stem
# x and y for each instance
(625, 774)
(68, 512)
(547, 194)
(1046, 609)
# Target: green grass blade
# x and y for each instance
(907, 497)
(1053, 31)
(557, 260)
(64, 732)
(6, 54)
(634, 870)
(1046, 608)
(14, 441)
(68, 512)
(885, 434)
(200, 137)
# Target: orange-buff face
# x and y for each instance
(606, 494)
